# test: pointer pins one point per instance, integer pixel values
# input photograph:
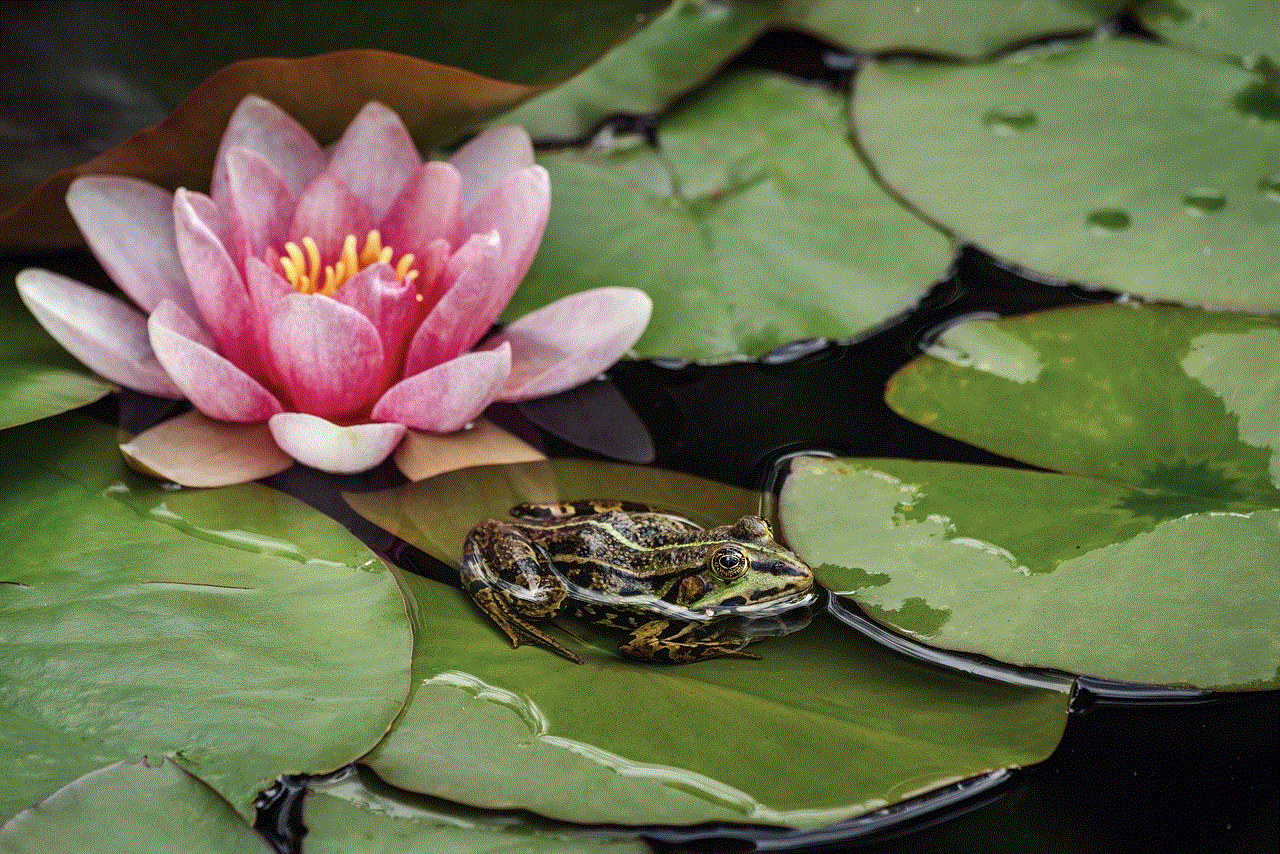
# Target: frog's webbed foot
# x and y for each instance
(517, 629)
(677, 643)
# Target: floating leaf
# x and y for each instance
(359, 813)
(323, 93)
(753, 224)
(614, 741)
(1051, 159)
(677, 50)
(971, 29)
(1154, 561)
(114, 808)
(1245, 29)
(37, 377)
(235, 630)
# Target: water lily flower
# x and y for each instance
(339, 296)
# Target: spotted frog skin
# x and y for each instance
(670, 582)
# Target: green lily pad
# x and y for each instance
(1153, 560)
(753, 224)
(825, 727)
(1117, 163)
(235, 630)
(113, 808)
(674, 52)
(360, 813)
(971, 29)
(37, 377)
(1245, 29)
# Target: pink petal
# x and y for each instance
(194, 450)
(448, 396)
(261, 126)
(427, 209)
(390, 304)
(466, 310)
(129, 226)
(217, 387)
(259, 202)
(488, 159)
(518, 209)
(216, 283)
(572, 340)
(102, 331)
(327, 212)
(327, 355)
(323, 445)
(375, 157)
(173, 318)
(266, 288)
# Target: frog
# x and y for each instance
(680, 590)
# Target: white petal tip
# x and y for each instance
(332, 448)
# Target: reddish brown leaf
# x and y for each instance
(438, 104)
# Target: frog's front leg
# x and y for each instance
(680, 643)
(513, 581)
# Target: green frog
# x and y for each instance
(678, 588)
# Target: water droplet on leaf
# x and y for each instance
(1203, 200)
(1107, 220)
(1269, 186)
(1006, 121)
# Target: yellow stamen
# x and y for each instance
(405, 265)
(302, 265)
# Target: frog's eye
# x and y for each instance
(729, 563)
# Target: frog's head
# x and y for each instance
(745, 571)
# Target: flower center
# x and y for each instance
(301, 264)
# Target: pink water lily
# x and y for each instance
(340, 296)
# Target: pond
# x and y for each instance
(975, 309)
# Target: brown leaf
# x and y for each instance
(438, 104)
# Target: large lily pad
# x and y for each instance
(825, 727)
(118, 806)
(37, 377)
(1155, 560)
(752, 224)
(970, 29)
(235, 630)
(677, 50)
(1116, 163)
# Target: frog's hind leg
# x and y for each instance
(526, 587)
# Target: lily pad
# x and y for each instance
(675, 51)
(360, 813)
(235, 630)
(1153, 560)
(1115, 163)
(1244, 29)
(751, 225)
(121, 804)
(823, 728)
(37, 377)
(970, 29)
